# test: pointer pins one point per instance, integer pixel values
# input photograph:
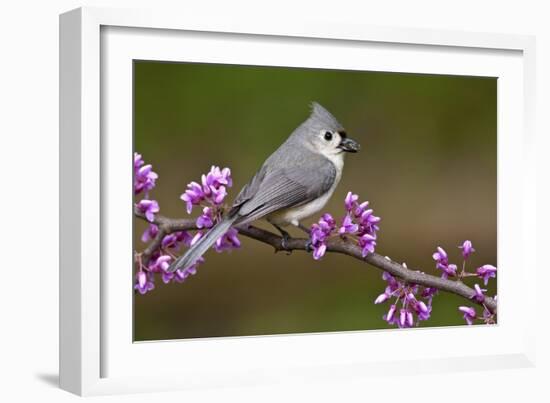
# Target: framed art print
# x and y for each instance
(189, 117)
(381, 165)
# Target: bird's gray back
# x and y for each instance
(291, 176)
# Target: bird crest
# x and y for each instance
(322, 118)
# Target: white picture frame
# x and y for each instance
(95, 350)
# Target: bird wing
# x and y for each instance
(250, 189)
(287, 186)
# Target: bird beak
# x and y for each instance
(349, 145)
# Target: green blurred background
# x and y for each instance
(427, 165)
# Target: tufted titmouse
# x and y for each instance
(294, 183)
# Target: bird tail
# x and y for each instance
(203, 244)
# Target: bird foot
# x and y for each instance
(284, 243)
(309, 246)
(285, 237)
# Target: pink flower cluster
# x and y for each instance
(319, 233)
(160, 261)
(144, 177)
(212, 188)
(484, 272)
(410, 303)
(209, 194)
(359, 222)
(144, 181)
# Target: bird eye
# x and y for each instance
(328, 136)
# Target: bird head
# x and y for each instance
(325, 135)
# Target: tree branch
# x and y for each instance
(336, 245)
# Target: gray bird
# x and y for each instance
(295, 182)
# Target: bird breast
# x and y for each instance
(293, 215)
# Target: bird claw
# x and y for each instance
(285, 237)
(284, 243)
(309, 246)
